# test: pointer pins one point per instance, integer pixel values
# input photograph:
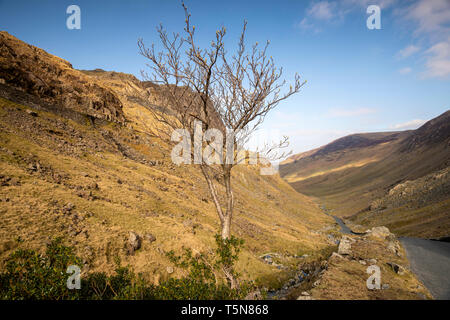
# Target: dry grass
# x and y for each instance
(168, 201)
(345, 279)
(295, 177)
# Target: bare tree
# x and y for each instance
(207, 86)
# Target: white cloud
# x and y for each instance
(323, 10)
(413, 124)
(383, 4)
(405, 70)
(438, 61)
(408, 51)
(320, 12)
(305, 24)
(350, 112)
(431, 15)
(429, 20)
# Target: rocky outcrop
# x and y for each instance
(380, 233)
(417, 193)
(52, 79)
(134, 242)
(398, 269)
(345, 246)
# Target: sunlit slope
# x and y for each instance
(349, 174)
(68, 170)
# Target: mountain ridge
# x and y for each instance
(351, 173)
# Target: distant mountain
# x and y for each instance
(351, 173)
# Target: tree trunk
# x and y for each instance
(226, 227)
(225, 217)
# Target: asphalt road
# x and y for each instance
(430, 261)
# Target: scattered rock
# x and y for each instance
(372, 261)
(336, 255)
(394, 247)
(67, 209)
(254, 295)
(380, 233)
(169, 270)
(345, 246)
(362, 262)
(149, 237)
(32, 113)
(134, 242)
(93, 186)
(385, 286)
(398, 269)
(267, 258)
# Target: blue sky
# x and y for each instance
(359, 80)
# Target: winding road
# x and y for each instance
(429, 260)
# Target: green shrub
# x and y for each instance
(29, 275)
(202, 281)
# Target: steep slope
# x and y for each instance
(349, 174)
(87, 171)
(413, 208)
(54, 81)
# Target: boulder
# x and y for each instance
(336, 255)
(134, 242)
(394, 247)
(267, 258)
(398, 269)
(380, 233)
(345, 246)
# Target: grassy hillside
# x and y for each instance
(349, 174)
(93, 183)
(76, 162)
(414, 208)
